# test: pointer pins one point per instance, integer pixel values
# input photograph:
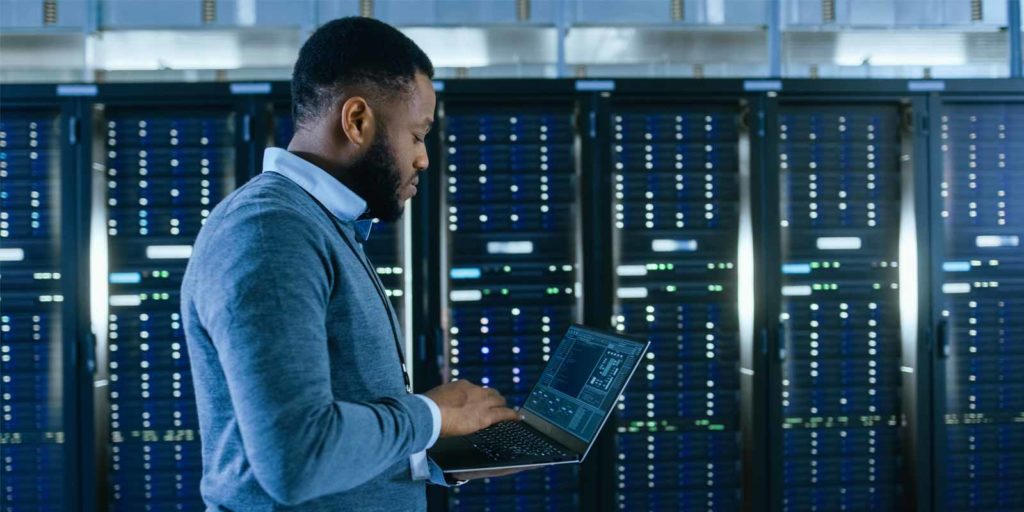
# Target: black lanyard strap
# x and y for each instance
(364, 262)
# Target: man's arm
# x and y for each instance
(262, 297)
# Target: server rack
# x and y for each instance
(847, 365)
(511, 261)
(977, 151)
(678, 167)
(36, 447)
(972, 448)
(158, 173)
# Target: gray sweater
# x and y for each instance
(298, 384)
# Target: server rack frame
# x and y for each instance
(915, 394)
(478, 91)
(749, 103)
(75, 112)
(937, 335)
(140, 96)
(77, 359)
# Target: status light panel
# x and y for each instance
(31, 358)
(982, 198)
(165, 173)
(511, 189)
(840, 211)
(676, 201)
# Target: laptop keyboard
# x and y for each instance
(511, 439)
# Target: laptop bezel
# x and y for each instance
(574, 444)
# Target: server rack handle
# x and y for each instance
(780, 333)
(89, 340)
(942, 338)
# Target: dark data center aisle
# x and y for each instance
(830, 274)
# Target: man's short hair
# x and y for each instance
(353, 52)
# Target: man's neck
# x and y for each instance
(314, 153)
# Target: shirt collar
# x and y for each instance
(340, 200)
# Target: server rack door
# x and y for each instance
(840, 337)
(388, 248)
(980, 326)
(511, 266)
(32, 359)
(676, 199)
(159, 173)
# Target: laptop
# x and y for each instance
(562, 415)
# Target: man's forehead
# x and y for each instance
(424, 100)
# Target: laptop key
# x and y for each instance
(510, 440)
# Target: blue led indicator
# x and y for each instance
(125, 277)
(956, 266)
(796, 268)
(465, 273)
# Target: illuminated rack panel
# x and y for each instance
(676, 187)
(386, 245)
(511, 189)
(166, 170)
(983, 217)
(31, 358)
(840, 211)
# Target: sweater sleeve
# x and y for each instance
(262, 297)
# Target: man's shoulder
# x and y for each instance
(268, 210)
(269, 192)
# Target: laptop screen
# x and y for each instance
(583, 380)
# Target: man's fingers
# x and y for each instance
(499, 414)
(473, 475)
(495, 400)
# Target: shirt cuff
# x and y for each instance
(435, 412)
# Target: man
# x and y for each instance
(302, 392)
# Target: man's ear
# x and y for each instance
(357, 120)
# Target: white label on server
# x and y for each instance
(631, 293)
(839, 243)
(956, 288)
(12, 254)
(631, 270)
(523, 247)
(997, 241)
(465, 295)
(169, 252)
(796, 290)
(663, 245)
(125, 300)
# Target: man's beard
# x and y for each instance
(376, 179)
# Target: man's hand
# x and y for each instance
(492, 473)
(466, 407)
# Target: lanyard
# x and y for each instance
(364, 262)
